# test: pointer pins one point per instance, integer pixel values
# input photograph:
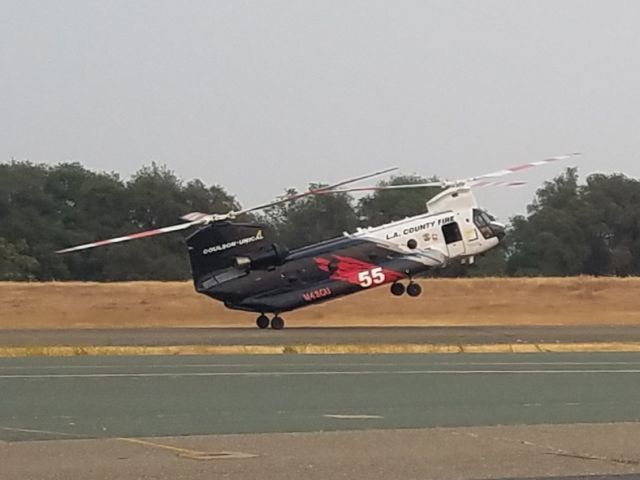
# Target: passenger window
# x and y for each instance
(451, 233)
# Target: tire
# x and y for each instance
(397, 289)
(262, 321)
(277, 323)
(414, 290)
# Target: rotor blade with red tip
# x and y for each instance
(133, 236)
(519, 168)
(500, 184)
(423, 185)
(479, 181)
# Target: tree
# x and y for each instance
(579, 229)
(311, 219)
(45, 208)
(491, 264)
(569, 229)
(550, 241)
(156, 197)
(14, 264)
(384, 206)
(611, 215)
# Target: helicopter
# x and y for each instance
(241, 264)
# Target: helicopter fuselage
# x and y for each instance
(355, 262)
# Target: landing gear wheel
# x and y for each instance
(262, 321)
(277, 323)
(413, 289)
(397, 289)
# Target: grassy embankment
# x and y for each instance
(536, 301)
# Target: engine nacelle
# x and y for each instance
(272, 257)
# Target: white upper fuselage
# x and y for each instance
(446, 234)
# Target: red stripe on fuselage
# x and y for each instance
(347, 269)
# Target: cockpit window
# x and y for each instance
(483, 220)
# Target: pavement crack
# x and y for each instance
(588, 456)
(559, 452)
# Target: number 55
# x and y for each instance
(371, 277)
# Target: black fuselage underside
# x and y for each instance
(307, 276)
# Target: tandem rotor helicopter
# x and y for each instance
(240, 264)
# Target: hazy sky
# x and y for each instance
(262, 95)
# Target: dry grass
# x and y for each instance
(549, 301)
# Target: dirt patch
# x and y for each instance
(549, 301)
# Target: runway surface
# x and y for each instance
(378, 335)
(377, 416)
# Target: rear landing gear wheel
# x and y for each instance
(413, 289)
(397, 289)
(277, 323)
(262, 321)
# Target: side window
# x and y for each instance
(451, 233)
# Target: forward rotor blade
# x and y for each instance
(316, 191)
(133, 236)
(479, 181)
(500, 184)
(423, 185)
(519, 168)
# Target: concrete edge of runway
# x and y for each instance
(315, 349)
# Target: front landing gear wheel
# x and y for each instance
(413, 289)
(262, 321)
(397, 289)
(277, 323)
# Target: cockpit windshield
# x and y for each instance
(483, 220)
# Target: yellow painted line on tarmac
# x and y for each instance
(188, 453)
(181, 452)
(316, 349)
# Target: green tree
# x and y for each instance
(573, 229)
(611, 217)
(550, 241)
(311, 219)
(384, 206)
(14, 264)
(156, 197)
(30, 214)
(45, 208)
(491, 264)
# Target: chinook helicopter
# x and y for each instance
(241, 265)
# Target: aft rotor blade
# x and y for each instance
(519, 168)
(315, 191)
(133, 236)
(385, 187)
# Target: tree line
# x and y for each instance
(569, 229)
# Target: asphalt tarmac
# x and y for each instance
(357, 417)
(377, 335)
